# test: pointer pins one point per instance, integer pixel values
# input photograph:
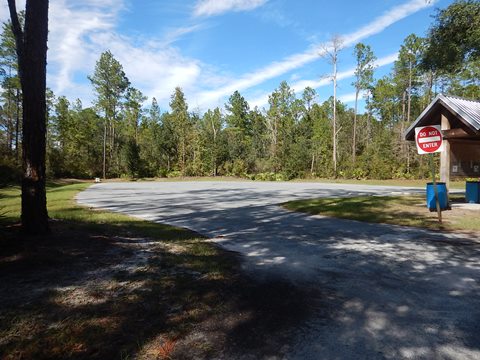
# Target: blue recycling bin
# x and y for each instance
(442, 196)
(472, 192)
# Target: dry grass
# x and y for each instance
(396, 210)
(391, 182)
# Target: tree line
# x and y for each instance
(124, 134)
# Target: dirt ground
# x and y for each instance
(82, 295)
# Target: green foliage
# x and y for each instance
(454, 38)
(212, 140)
(174, 174)
(11, 109)
(239, 134)
(181, 127)
(110, 83)
(365, 60)
(74, 138)
(282, 115)
(291, 138)
(132, 158)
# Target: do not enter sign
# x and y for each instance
(429, 139)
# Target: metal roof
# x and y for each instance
(468, 111)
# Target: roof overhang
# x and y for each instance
(469, 118)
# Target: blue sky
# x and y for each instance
(211, 48)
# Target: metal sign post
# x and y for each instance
(435, 190)
(429, 140)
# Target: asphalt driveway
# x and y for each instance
(388, 291)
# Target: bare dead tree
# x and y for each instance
(330, 52)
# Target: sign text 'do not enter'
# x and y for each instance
(429, 139)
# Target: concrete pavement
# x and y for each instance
(389, 292)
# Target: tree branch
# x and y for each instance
(16, 28)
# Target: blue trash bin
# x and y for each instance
(472, 192)
(442, 196)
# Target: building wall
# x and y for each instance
(465, 158)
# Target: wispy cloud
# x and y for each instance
(350, 97)
(388, 18)
(300, 85)
(295, 61)
(69, 38)
(154, 69)
(175, 34)
(80, 33)
(273, 14)
(217, 7)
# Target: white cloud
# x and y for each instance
(295, 61)
(5, 14)
(350, 97)
(80, 33)
(69, 47)
(154, 69)
(175, 34)
(299, 86)
(257, 77)
(217, 7)
(390, 17)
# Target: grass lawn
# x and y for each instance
(396, 210)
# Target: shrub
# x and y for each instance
(173, 174)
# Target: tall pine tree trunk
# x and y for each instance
(312, 164)
(354, 140)
(17, 126)
(32, 60)
(104, 165)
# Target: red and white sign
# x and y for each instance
(429, 139)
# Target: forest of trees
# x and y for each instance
(124, 134)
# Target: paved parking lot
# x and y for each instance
(387, 291)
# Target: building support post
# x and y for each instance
(445, 158)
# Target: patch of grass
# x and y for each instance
(103, 285)
(396, 210)
(391, 182)
(62, 206)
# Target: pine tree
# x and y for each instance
(363, 80)
(180, 120)
(31, 45)
(110, 83)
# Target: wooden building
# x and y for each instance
(460, 122)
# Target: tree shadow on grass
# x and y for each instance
(82, 295)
